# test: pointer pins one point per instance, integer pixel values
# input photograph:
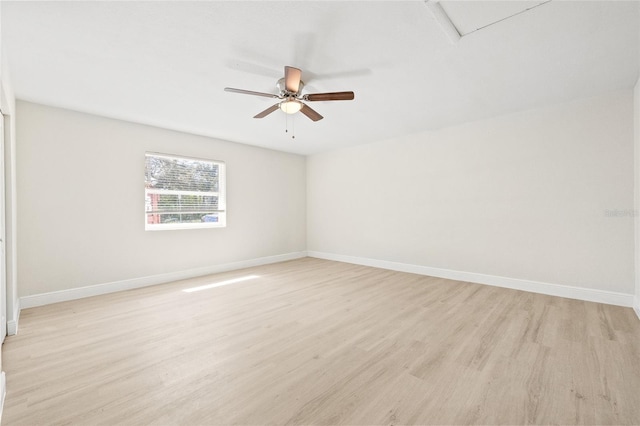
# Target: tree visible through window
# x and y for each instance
(183, 192)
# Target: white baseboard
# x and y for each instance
(580, 293)
(636, 305)
(98, 289)
(12, 324)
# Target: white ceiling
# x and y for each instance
(166, 63)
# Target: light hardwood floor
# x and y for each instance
(318, 342)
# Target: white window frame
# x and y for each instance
(221, 194)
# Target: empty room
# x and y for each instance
(320, 212)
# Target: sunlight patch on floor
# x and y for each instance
(221, 283)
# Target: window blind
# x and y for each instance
(182, 192)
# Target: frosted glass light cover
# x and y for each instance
(291, 107)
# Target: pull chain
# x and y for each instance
(293, 126)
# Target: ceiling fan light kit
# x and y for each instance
(291, 106)
(290, 93)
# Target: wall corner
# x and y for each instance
(636, 193)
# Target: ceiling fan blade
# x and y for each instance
(311, 113)
(333, 96)
(250, 92)
(292, 79)
(267, 111)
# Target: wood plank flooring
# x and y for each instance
(318, 342)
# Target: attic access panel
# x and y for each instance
(468, 16)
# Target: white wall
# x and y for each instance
(81, 202)
(522, 196)
(543, 195)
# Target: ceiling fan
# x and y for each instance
(291, 97)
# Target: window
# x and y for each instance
(182, 193)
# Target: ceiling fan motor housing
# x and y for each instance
(282, 88)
